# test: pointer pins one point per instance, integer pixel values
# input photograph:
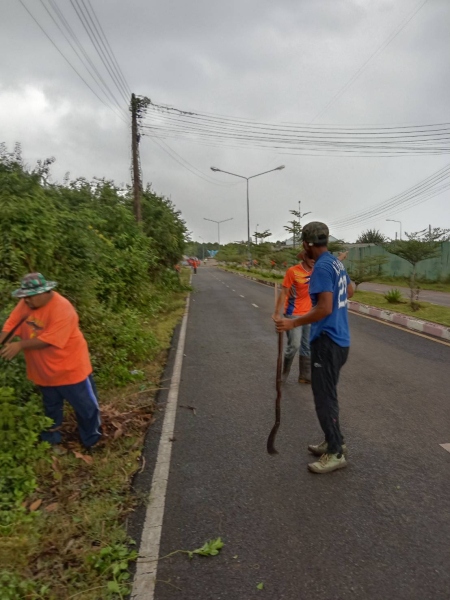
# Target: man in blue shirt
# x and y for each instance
(329, 289)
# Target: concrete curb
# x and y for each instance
(427, 327)
(439, 331)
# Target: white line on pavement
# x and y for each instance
(255, 305)
(445, 446)
(147, 563)
(233, 290)
(241, 296)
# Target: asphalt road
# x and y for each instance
(379, 529)
(442, 298)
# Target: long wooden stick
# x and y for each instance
(271, 440)
(13, 331)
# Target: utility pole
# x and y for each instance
(256, 237)
(135, 155)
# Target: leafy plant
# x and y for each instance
(419, 246)
(20, 449)
(366, 269)
(394, 296)
(210, 548)
(113, 561)
(371, 236)
(13, 587)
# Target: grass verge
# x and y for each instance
(272, 277)
(427, 311)
(437, 286)
(71, 540)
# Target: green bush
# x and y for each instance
(117, 273)
(394, 296)
(20, 449)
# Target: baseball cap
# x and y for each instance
(315, 233)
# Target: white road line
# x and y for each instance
(147, 563)
(233, 290)
(241, 296)
(445, 446)
(255, 305)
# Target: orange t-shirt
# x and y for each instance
(298, 301)
(66, 360)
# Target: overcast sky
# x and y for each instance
(273, 61)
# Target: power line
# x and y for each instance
(99, 50)
(168, 150)
(427, 188)
(363, 67)
(65, 57)
(72, 34)
(119, 70)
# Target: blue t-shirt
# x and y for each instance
(329, 275)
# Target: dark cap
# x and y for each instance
(315, 234)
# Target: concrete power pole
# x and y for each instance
(135, 157)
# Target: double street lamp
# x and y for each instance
(216, 170)
(218, 224)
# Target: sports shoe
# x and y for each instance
(328, 463)
(322, 449)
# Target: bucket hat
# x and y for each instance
(32, 285)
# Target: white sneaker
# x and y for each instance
(328, 463)
(323, 449)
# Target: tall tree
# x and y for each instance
(371, 236)
(294, 227)
(418, 247)
(260, 236)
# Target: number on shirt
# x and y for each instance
(342, 297)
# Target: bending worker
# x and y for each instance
(330, 289)
(56, 354)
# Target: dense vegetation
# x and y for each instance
(119, 275)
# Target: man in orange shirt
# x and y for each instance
(295, 298)
(56, 354)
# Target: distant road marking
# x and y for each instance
(445, 446)
(427, 337)
(241, 296)
(233, 290)
(255, 305)
(228, 286)
(147, 563)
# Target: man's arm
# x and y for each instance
(13, 349)
(3, 334)
(350, 290)
(322, 309)
(280, 303)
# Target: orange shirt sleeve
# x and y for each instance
(288, 278)
(17, 314)
(60, 328)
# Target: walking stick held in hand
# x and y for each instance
(271, 440)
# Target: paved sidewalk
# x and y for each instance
(441, 298)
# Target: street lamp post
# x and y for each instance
(203, 247)
(256, 239)
(395, 221)
(218, 225)
(249, 241)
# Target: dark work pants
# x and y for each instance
(83, 398)
(327, 359)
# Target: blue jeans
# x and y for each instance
(298, 340)
(83, 399)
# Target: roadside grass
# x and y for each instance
(427, 311)
(273, 277)
(74, 544)
(437, 286)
